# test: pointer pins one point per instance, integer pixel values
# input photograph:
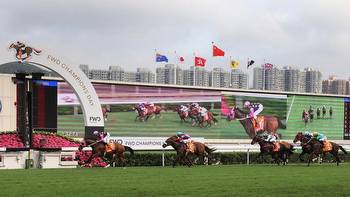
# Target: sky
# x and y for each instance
(312, 33)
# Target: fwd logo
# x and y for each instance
(95, 119)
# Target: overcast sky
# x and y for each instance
(312, 33)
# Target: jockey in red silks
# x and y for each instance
(102, 136)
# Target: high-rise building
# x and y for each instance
(220, 78)
(166, 74)
(99, 74)
(239, 80)
(291, 79)
(312, 80)
(335, 86)
(85, 69)
(144, 75)
(274, 79)
(259, 78)
(116, 73)
(201, 77)
(188, 77)
(179, 76)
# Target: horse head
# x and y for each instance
(171, 141)
(298, 137)
(256, 139)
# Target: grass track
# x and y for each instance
(236, 180)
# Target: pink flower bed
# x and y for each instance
(50, 140)
(10, 140)
(83, 156)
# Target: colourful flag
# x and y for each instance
(217, 51)
(182, 59)
(199, 61)
(250, 62)
(268, 66)
(234, 64)
(161, 58)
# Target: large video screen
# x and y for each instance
(121, 119)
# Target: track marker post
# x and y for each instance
(163, 159)
(248, 156)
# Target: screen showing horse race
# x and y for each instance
(149, 111)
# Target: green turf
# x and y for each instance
(237, 180)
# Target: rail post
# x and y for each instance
(248, 156)
(163, 159)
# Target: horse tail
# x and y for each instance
(209, 150)
(215, 120)
(280, 124)
(36, 51)
(342, 149)
(127, 148)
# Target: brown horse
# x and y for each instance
(144, 115)
(271, 123)
(209, 118)
(183, 115)
(181, 151)
(105, 113)
(21, 49)
(114, 156)
(286, 149)
(201, 150)
(306, 148)
(317, 149)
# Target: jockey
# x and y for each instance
(149, 104)
(183, 137)
(202, 111)
(183, 108)
(254, 108)
(271, 138)
(194, 105)
(305, 114)
(308, 134)
(102, 136)
(319, 137)
(142, 106)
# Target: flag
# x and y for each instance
(268, 66)
(217, 51)
(250, 62)
(182, 59)
(161, 58)
(199, 61)
(234, 64)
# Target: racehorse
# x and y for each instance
(318, 112)
(209, 118)
(183, 115)
(286, 149)
(311, 114)
(317, 149)
(324, 111)
(271, 123)
(181, 150)
(201, 150)
(114, 156)
(306, 148)
(27, 50)
(150, 111)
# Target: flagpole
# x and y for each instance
(194, 70)
(155, 77)
(175, 71)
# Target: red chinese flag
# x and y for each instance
(199, 61)
(217, 51)
(182, 59)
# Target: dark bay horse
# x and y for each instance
(114, 156)
(183, 115)
(306, 148)
(181, 150)
(271, 123)
(266, 148)
(210, 119)
(317, 149)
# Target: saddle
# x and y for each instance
(110, 147)
(327, 146)
(258, 123)
(190, 146)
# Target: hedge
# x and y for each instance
(155, 159)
